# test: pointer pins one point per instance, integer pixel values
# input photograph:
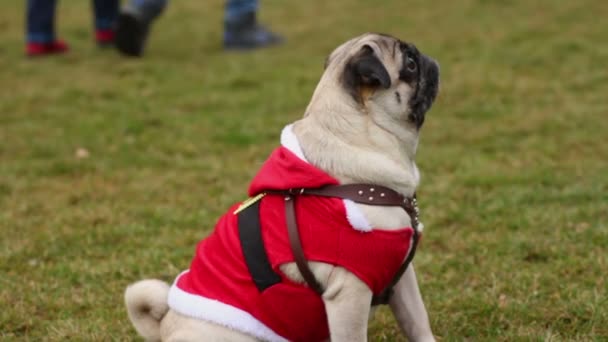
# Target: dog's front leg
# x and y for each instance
(347, 305)
(408, 308)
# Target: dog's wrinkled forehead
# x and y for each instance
(389, 49)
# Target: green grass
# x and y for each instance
(514, 157)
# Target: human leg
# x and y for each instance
(236, 9)
(40, 29)
(105, 13)
(241, 29)
(134, 24)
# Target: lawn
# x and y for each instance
(111, 169)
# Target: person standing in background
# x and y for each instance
(40, 26)
(128, 28)
(241, 28)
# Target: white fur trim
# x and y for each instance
(217, 312)
(356, 218)
(290, 142)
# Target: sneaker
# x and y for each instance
(43, 49)
(131, 34)
(245, 34)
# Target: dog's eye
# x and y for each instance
(410, 64)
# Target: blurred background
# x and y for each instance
(112, 168)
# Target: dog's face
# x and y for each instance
(393, 82)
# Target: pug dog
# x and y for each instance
(361, 126)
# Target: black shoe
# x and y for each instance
(245, 33)
(131, 34)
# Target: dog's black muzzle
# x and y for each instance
(426, 90)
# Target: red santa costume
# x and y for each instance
(219, 288)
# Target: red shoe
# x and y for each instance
(43, 49)
(105, 37)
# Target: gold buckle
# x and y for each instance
(248, 202)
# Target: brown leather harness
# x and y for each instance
(359, 193)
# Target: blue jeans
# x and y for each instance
(40, 27)
(235, 9)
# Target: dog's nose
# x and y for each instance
(431, 63)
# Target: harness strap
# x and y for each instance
(296, 245)
(359, 193)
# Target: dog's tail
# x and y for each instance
(146, 303)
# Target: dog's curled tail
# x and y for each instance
(146, 302)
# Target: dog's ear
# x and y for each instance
(365, 70)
